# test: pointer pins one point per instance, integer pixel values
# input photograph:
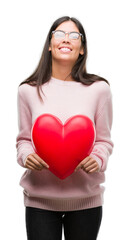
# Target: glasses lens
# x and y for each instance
(59, 34)
(74, 35)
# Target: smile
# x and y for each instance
(65, 49)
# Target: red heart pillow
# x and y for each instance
(63, 146)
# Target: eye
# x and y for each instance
(74, 35)
(59, 34)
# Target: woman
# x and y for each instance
(62, 87)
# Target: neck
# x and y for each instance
(61, 71)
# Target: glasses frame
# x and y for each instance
(80, 34)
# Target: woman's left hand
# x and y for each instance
(89, 165)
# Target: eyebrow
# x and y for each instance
(65, 31)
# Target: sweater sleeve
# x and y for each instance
(23, 140)
(103, 145)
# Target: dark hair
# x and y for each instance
(43, 72)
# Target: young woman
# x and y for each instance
(62, 87)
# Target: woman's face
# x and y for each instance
(66, 50)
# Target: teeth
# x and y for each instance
(65, 49)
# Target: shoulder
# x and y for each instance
(102, 89)
(26, 90)
(26, 94)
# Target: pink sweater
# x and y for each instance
(42, 189)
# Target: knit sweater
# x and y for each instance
(64, 99)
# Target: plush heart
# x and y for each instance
(60, 145)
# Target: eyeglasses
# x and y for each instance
(59, 34)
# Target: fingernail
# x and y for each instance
(76, 169)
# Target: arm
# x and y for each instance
(103, 145)
(23, 141)
(25, 152)
(97, 161)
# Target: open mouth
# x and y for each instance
(65, 49)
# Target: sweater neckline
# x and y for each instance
(63, 82)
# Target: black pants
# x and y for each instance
(78, 225)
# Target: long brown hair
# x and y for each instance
(43, 71)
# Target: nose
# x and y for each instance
(66, 39)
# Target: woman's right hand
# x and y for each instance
(34, 162)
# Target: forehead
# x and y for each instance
(68, 26)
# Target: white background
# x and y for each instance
(24, 26)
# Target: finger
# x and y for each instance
(89, 163)
(94, 170)
(33, 162)
(89, 168)
(29, 167)
(40, 160)
(81, 164)
(32, 166)
(37, 161)
(78, 167)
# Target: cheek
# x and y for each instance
(54, 44)
(77, 51)
(52, 48)
(77, 48)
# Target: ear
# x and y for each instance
(81, 51)
(49, 48)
